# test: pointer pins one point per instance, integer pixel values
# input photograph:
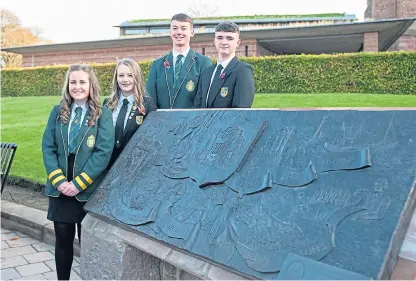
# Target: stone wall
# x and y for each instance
(388, 9)
(110, 252)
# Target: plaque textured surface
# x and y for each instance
(251, 189)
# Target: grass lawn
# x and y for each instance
(333, 100)
(23, 120)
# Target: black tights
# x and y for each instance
(64, 249)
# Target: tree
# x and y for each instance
(199, 9)
(13, 34)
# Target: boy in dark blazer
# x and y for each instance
(229, 83)
(173, 79)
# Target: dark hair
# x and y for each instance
(227, 26)
(183, 18)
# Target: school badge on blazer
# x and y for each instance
(139, 120)
(224, 92)
(91, 141)
(190, 86)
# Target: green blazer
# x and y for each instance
(93, 153)
(160, 81)
(234, 90)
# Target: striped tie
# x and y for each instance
(75, 126)
(178, 66)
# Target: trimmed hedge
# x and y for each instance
(384, 72)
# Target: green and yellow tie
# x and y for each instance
(178, 66)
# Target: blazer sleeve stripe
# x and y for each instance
(87, 178)
(54, 173)
(80, 183)
(58, 179)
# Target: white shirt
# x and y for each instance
(73, 107)
(130, 99)
(175, 55)
(224, 65)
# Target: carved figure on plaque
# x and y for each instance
(376, 202)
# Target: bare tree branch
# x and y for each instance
(199, 9)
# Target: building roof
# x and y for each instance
(335, 38)
(256, 19)
(313, 39)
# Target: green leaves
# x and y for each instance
(384, 72)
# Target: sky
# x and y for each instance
(64, 21)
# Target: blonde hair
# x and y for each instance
(139, 88)
(94, 104)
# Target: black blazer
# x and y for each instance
(132, 125)
(235, 88)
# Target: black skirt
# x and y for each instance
(65, 208)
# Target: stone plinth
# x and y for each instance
(266, 194)
(110, 252)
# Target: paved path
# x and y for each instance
(25, 196)
(25, 258)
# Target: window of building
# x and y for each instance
(159, 30)
(135, 31)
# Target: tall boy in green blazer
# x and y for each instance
(173, 79)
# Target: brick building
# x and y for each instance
(389, 9)
(147, 40)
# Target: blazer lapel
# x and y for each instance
(217, 83)
(131, 119)
(169, 72)
(83, 130)
(64, 134)
(206, 88)
(187, 64)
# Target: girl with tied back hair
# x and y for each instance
(76, 146)
(129, 103)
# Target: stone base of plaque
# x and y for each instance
(110, 252)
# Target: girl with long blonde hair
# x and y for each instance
(129, 102)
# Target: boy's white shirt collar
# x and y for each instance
(224, 63)
(175, 53)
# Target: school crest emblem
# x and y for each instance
(190, 86)
(224, 92)
(139, 120)
(91, 141)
